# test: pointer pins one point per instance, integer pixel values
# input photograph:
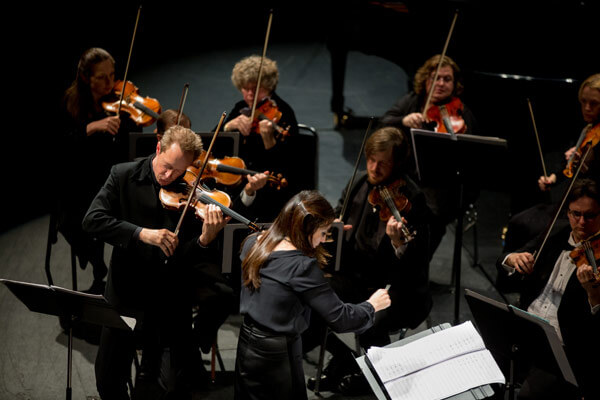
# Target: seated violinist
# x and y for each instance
(589, 98)
(563, 288)
(528, 223)
(407, 113)
(375, 253)
(91, 142)
(262, 146)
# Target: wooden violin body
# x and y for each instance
(591, 138)
(267, 110)
(391, 202)
(447, 116)
(587, 253)
(229, 171)
(142, 110)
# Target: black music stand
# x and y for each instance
(465, 161)
(72, 306)
(518, 339)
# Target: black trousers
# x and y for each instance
(158, 330)
(268, 365)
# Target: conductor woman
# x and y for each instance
(282, 283)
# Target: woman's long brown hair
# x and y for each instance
(298, 220)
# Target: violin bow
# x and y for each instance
(260, 68)
(362, 147)
(537, 137)
(562, 203)
(439, 66)
(193, 191)
(129, 60)
(186, 88)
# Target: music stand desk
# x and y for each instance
(512, 335)
(477, 393)
(73, 306)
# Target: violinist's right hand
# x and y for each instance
(545, 182)
(163, 238)
(413, 120)
(108, 124)
(380, 300)
(521, 262)
(240, 123)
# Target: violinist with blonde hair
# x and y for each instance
(262, 147)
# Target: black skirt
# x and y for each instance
(268, 364)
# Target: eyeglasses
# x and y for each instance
(586, 216)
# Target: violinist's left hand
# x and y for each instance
(570, 152)
(214, 221)
(590, 282)
(266, 130)
(394, 230)
(256, 182)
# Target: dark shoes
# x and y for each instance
(354, 385)
(350, 385)
(327, 384)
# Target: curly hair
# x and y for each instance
(424, 73)
(245, 72)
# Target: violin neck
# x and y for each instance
(203, 197)
(235, 170)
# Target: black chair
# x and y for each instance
(306, 157)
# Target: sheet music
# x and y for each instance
(448, 378)
(455, 359)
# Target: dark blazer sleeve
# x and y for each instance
(318, 294)
(101, 219)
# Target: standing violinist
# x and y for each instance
(149, 278)
(262, 147)
(375, 253)
(562, 288)
(407, 113)
(88, 150)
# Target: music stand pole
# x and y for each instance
(457, 257)
(70, 358)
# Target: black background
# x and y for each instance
(544, 39)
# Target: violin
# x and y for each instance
(229, 170)
(447, 117)
(587, 253)
(390, 200)
(267, 110)
(590, 136)
(142, 110)
(176, 200)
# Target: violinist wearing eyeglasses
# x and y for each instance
(563, 287)
(88, 149)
